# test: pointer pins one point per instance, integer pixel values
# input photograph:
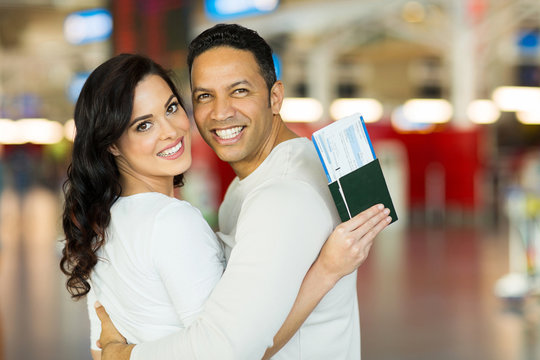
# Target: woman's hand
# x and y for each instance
(348, 246)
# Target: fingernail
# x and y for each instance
(97, 304)
(388, 219)
(380, 206)
(386, 211)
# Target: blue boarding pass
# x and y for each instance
(343, 146)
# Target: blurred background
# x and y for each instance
(450, 92)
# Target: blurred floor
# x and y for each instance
(428, 294)
(424, 293)
(39, 321)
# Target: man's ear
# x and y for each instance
(276, 97)
(114, 150)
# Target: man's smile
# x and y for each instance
(229, 133)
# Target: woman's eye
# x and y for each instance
(143, 126)
(172, 108)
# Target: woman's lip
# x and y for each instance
(178, 153)
(173, 145)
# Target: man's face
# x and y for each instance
(232, 107)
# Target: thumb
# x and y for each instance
(101, 313)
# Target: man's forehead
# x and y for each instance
(220, 67)
(225, 55)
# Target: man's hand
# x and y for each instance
(112, 344)
(348, 246)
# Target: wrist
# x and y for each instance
(326, 276)
(117, 351)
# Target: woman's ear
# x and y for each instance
(114, 150)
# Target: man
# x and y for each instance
(275, 217)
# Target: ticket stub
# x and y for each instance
(343, 146)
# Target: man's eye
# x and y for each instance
(202, 97)
(240, 91)
(143, 126)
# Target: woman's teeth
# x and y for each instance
(171, 151)
(229, 133)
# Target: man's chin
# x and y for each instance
(227, 156)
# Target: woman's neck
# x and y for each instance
(132, 185)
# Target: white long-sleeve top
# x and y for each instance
(159, 263)
(274, 223)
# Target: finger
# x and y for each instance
(364, 228)
(362, 217)
(101, 313)
(98, 344)
(371, 233)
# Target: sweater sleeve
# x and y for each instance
(187, 256)
(280, 231)
(95, 324)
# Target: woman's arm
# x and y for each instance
(344, 251)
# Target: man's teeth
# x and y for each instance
(229, 133)
(171, 151)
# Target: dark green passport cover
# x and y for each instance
(363, 188)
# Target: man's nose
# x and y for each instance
(222, 109)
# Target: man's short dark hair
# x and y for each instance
(237, 37)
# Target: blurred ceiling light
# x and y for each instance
(69, 130)
(226, 9)
(301, 110)
(432, 111)
(516, 98)
(402, 124)
(483, 112)
(266, 5)
(76, 84)
(371, 109)
(87, 26)
(40, 131)
(529, 117)
(9, 132)
(413, 12)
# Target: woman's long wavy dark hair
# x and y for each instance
(102, 114)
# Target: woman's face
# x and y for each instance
(156, 145)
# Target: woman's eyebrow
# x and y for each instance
(169, 100)
(147, 116)
(139, 118)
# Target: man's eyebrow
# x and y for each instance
(240, 82)
(200, 89)
(234, 84)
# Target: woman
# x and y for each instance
(148, 257)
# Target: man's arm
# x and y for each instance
(344, 251)
(277, 242)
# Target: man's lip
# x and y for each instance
(181, 138)
(231, 140)
(227, 127)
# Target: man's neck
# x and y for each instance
(282, 133)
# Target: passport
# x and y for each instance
(355, 177)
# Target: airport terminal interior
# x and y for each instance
(450, 95)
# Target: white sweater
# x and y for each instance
(274, 223)
(158, 266)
